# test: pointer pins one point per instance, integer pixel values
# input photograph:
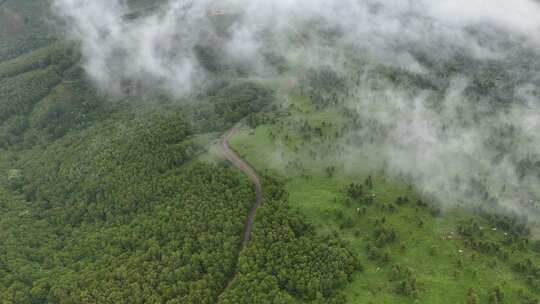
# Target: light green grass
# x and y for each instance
(318, 197)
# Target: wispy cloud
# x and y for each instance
(465, 149)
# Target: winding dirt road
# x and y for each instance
(243, 166)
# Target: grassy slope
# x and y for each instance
(428, 249)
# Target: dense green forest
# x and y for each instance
(103, 199)
(286, 259)
(97, 212)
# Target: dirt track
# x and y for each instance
(236, 161)
(243, 166)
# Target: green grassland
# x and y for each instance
(428, 262)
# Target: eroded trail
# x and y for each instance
(243, 166)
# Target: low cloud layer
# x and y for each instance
(462, 149)
(161, 46)
(459, 149)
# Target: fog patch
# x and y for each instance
(461, 123)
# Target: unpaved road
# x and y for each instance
(243, 166)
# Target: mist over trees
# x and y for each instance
(110, 190)
(446, 82)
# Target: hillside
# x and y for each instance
(159, 152)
